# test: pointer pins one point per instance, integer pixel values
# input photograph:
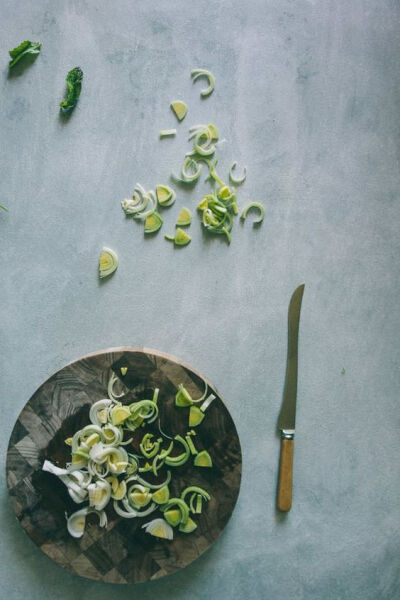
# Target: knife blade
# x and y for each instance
(287, 415)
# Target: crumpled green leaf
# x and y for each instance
(74, 86)
(24, 48)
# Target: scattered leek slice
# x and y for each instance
(181, 238)
(153, 223)
(159, 528)
(165, 195)
(124, 370)
(182, 397)
(182, 506)
(233, 178)
(184, 217)
(203, 459)
(167, 132)
(257, 206)
(177, 461)
(180, 109)
(196, 73)
(108, 262)
(76, 522)
(119, 414)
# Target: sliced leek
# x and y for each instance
(184, 217)
(181, 238)
(179, 108)
(254, 206)
(165, 195)
(167, 132)
(233, 177)
(108, 262)
(196, 73)
(103, 472)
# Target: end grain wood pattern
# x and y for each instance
(123, 552)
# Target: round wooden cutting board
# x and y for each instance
(123, 552)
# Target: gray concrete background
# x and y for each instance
(308, 97)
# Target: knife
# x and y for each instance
(287, 416)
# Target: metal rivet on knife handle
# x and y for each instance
(287, 416)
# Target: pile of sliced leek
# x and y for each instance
(105, 468)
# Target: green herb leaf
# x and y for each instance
(26, 47)
(74, 86)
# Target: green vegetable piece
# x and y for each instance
(74, 86)
(181, 238)
(254, 205)
(184, 217)
(161, 496)
(152, 223)
(23, 49)
(195, 416)
(3, 207)
(182, 506)
(180, 109)
(165, 195)
(191, 445)
(203, 459)
(188, 527)
(199, 503)
(167, 132)
(183, 398)
(197, 490)
(173, 517)
(140, 499)
(177, 461)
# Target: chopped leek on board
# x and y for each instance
(109, 454)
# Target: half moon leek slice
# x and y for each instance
(184, 217)
(196, 73)
(165, 195)
(159, 528)
(152, 223)
(180, 109)
(181, 238)
(108, 262)
(77, 521)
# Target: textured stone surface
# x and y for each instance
(308, 97)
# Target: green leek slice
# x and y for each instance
(184, 217)
(173, 516)
(188, 527)
(203, 459)
(180, 109)
(108, 262)
(177, 461)
(181, 504)
(161, 496)
(181, 238)
(257, 206)
(191, 445)
(165, 195)
(196, 73)
(196, 489)
(153, 223)
(195, 416)
(183, 398)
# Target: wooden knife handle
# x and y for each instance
(285, 484)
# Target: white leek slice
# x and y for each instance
(99, 494)
(110, 388)
(196, 73)
(159, 528)
(180, 109)
(108, 262)
(128, 513)
(98, 411)
(233, 177)
(207, 402)
(77, 521)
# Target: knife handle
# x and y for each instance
(285, 484)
